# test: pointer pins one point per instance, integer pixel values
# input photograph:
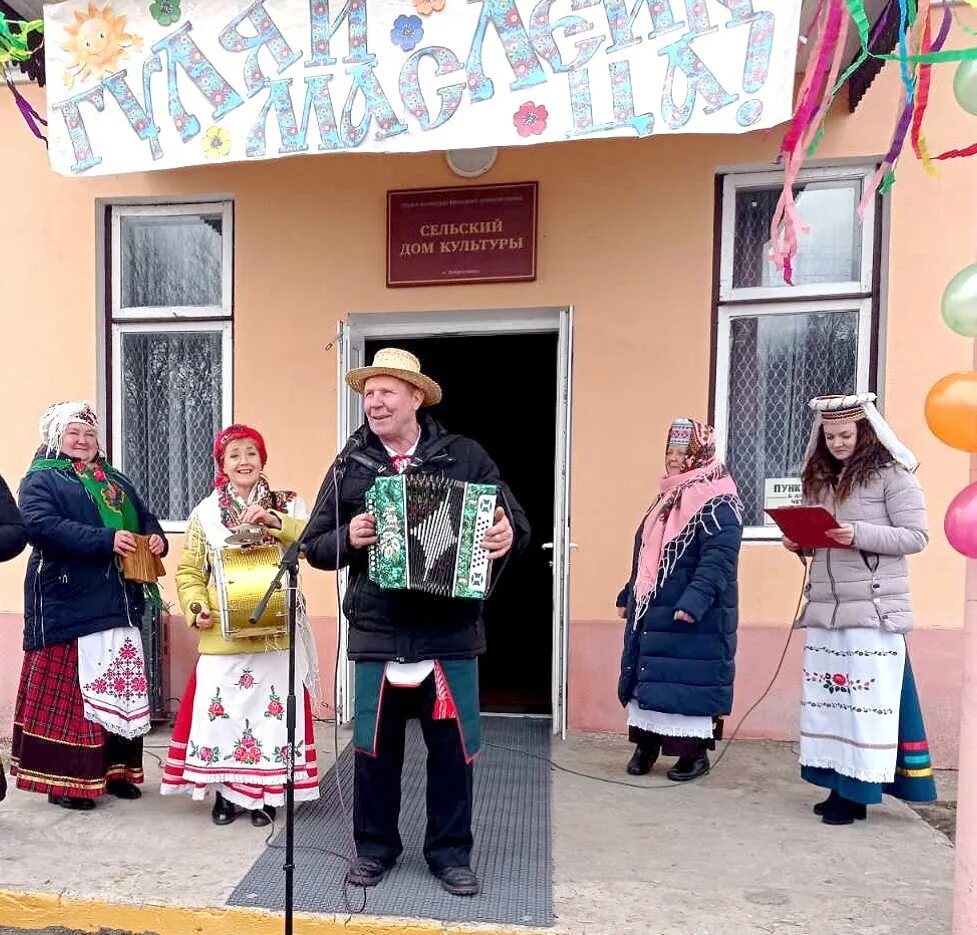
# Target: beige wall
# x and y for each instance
(625, 236)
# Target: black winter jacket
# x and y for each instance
(73, 585)
(687, 668)
(407, 626)
(13, 537)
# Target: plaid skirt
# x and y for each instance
(55, 749)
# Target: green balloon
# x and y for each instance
(965, 86)
(960, 302)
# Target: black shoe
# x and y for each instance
(641, 761)
(459, 881)
(262, 817)
(688, 768)
(366, 871)
(123, 789)
(71, 802)
(223, 812)
(842, 811)
(860, 810)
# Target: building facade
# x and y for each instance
(182, 300)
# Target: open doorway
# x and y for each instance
(501, 390)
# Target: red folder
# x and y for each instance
(806, 525)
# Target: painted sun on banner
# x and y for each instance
(159, 84)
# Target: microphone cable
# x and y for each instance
(722, 753)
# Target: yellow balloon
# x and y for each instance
(951, 411)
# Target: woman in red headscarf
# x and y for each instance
(230, 731)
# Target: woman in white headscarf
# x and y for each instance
(82, 706)
(862, 731)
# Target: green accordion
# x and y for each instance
(429, 534)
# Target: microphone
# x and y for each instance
(355, 441)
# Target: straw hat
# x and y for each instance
(394, 362)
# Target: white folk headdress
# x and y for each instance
(59, 416)
(855, 408)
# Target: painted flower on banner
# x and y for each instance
(165, 12)
(530, 119)
(427, 7)
(407, 32)
(216, 143)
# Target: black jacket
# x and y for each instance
(687, 668)
(13, 537)
(74, 586)
(403, 625)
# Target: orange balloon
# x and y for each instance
(951, 411)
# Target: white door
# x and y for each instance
(352, 348)
(561, 545)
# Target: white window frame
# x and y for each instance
(756, 302)
(216, 319)
(735, 182)
(223, 310)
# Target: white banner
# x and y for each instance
(158, 84)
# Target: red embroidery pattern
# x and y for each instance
(246, 680)
(275, 707)
(216, 709)
(125, 678)
(248, 748)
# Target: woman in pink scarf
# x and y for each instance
(681, 607)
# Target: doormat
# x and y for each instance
(511, 825)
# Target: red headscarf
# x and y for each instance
(235, 433)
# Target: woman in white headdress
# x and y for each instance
(82, 706)
(862, 731)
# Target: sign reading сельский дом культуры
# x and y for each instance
(158, 84)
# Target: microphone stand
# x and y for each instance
(289, 565)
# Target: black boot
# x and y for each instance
(688, 768)
(71, 802)
(262, 817)
(838, 810)
(641, 760)
(123, 789)
(223, 812)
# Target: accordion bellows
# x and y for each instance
(429, 534)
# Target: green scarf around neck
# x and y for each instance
(101, 481)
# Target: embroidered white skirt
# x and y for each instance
(850, 702)
(230, 733)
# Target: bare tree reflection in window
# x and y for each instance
(171, 261)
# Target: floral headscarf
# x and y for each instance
(682, 507)
(58, 416)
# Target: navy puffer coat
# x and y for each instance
(74, 585)
(687, 668)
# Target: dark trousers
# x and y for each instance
(376, 784)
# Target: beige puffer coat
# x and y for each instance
(868, 585)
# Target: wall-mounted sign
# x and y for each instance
(470, 234)
(135, 85)
(780, 492)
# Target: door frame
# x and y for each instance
(389, 326)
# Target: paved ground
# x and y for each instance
(737, 854)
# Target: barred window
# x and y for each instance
(779, 345)
(170, 359)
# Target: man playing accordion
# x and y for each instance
(415, 652)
